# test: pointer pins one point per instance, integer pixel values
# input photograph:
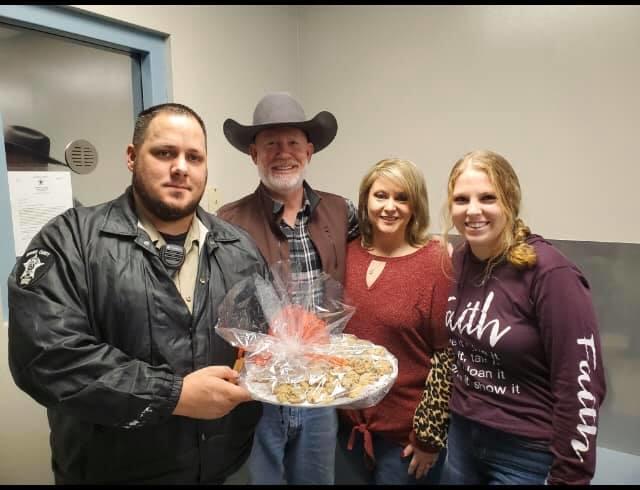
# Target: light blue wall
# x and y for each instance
(6, 252)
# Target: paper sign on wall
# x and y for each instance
(36, 197)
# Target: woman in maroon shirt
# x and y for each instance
(528, 380)
(396, 277)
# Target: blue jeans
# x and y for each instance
(390, 467)
(480, 455)
(294, 445)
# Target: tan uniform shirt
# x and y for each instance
(185, 278)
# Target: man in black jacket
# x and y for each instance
(111, 316)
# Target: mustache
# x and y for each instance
(287, 162)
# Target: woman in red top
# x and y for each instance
(397, 279)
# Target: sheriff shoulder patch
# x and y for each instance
(34, 264)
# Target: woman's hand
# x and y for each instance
(421, 461)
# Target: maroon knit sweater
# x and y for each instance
(404, 312)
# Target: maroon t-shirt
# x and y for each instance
(528, 358)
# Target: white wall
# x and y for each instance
(552, 88)
(223, 60)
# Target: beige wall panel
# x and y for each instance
(25, 457)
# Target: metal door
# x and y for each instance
(68, 91)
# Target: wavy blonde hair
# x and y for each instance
(512, 245)
(408, 176)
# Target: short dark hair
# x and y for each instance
(146, 116)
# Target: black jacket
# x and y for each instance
(99, 334)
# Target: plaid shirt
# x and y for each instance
(303, 256)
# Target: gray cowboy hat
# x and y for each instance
(279, 109)
(31, 141)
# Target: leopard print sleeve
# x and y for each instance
(431, 418)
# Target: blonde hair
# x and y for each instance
(512, 245)
(408, 176)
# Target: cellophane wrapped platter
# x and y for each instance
(295, 352)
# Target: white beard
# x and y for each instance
(282, 184)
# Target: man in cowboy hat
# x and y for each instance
(291, 221)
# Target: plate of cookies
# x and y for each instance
(291, 346)
(347, 372)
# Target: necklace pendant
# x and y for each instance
(374, 268)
